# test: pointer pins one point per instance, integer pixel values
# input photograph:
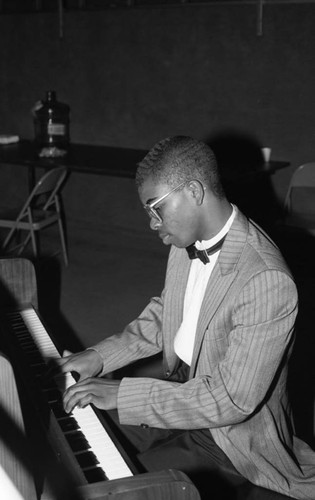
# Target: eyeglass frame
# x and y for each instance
(149, 207)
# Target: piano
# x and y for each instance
(76, 456)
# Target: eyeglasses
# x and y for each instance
(150, 207)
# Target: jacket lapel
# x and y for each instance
(221, 279)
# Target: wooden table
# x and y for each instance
(101, 160)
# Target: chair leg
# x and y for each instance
(34, 243)
(63, 242)
(24, 244)
(9, 236)
(32, 232)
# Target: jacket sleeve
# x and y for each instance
(140, 339)
(260, 324)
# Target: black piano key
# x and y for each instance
(52, 394)
(57, 408)
(29, 349)
(18, 325)
(77, 441)
(68, 424)
(95, 475)
(86, 459)
(34, 359)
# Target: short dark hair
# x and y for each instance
(177, 159)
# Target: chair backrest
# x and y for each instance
(49, 184)
(303, 177)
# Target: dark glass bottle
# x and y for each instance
(52, 123)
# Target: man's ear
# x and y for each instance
(197, 190)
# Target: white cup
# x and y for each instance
(266, 152)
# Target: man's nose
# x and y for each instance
(154, 224)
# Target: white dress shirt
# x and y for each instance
(199, 275)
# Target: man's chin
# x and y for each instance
(169, 239)
(179, 244)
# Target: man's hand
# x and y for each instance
(101, 392)
(86, 363)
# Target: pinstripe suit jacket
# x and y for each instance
(237, 380)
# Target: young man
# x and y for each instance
(225, 324)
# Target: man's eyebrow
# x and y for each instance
(150, 200)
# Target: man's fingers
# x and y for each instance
(76, 394)
(78, 400)
(102, 393)
(71, 400)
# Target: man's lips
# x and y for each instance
(164, 236)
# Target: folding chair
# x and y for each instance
(41, 209)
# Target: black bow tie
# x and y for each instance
(193, 253)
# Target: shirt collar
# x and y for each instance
(204, 244)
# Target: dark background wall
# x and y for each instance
(133, 76)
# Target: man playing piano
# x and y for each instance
(225, 324)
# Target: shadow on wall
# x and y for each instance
(298, 248)
(246, 182)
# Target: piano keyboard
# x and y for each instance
(105, 455)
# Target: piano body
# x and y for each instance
(69, 457)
